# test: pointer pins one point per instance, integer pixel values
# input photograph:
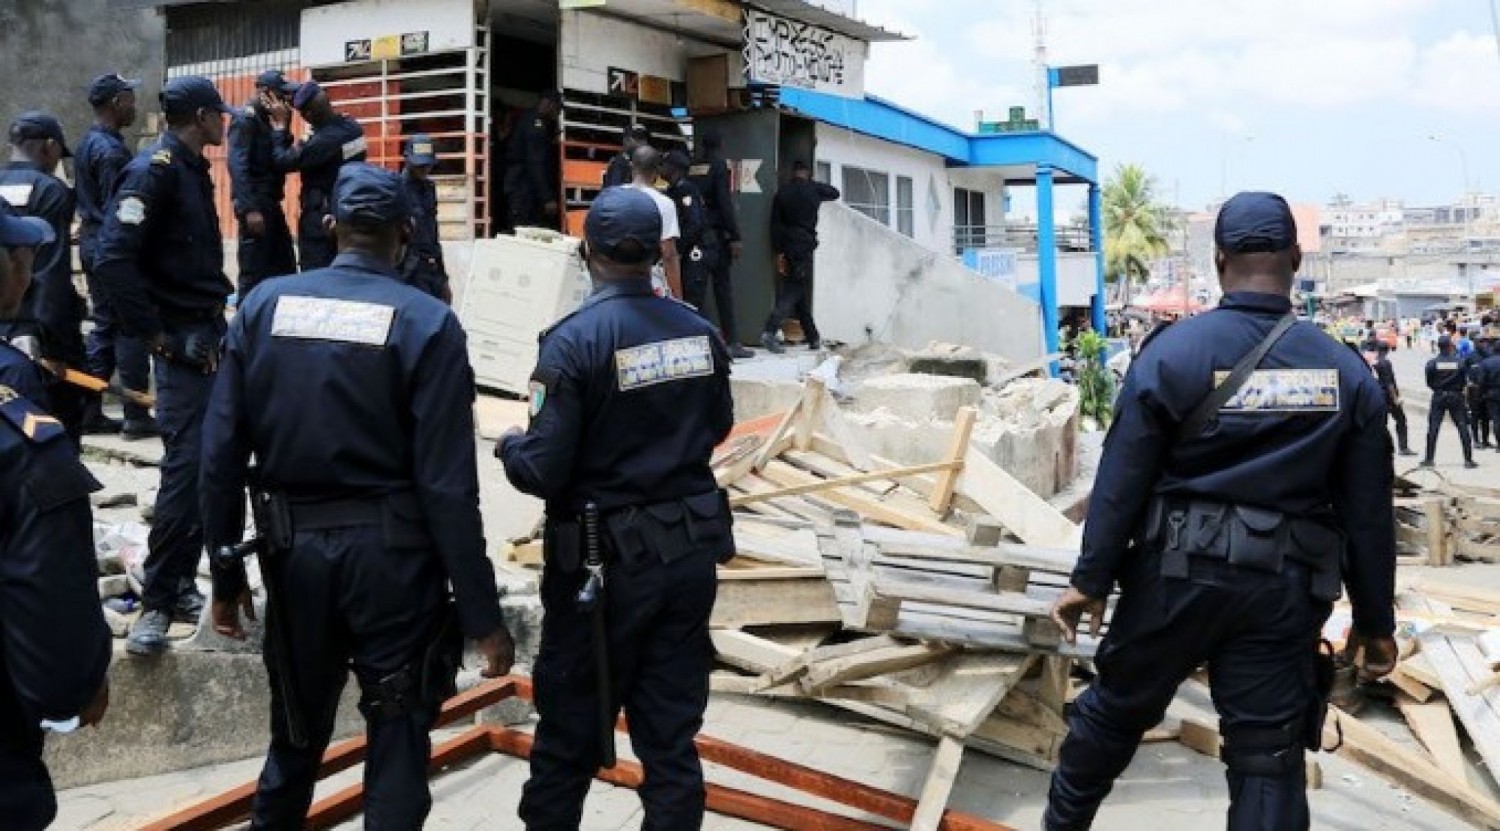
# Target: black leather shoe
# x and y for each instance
(138, 429)
(96, 423)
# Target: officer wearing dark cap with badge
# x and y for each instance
(336, 140)
(1447, 376)
(18, 246)
(381, 495)
(56, 644)
(1246, 475)
(51, 318)
(258, 185)
(532, 166)
(629, 397)
(98, 160)
(161, 263)
(696, 244)
(423, 265)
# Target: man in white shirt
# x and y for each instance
(645, 164)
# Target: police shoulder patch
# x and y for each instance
(698, 170)
(323, 318)
(663, 362)
(161, 157)
(354, 147)
(28, 418)
(131, 211)
(19, 195)
(1284, 391)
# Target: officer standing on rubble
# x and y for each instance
(380, 497)
(1447, 376)
(336, 140)
(711, 174)
(258, 185)
(56, 646)
(1223, 513)
(423, 266)
(1386, 375)
(624, 359)
(161, 263)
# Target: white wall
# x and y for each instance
(592, 43)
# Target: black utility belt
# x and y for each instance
(192, 318)
(638, 535)
(1245, 536)
(398, 514)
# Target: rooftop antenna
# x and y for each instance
(1039, 63)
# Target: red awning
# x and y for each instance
(1168, 302)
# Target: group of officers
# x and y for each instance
(1464, 378)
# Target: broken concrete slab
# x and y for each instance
(916, 397)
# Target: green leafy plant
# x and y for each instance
(1096, 384)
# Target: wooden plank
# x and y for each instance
(765, 602)
(813, 394)
(970, 689)
(1055, 681)
(828, 673)
(841, 482)
(741, 573)
(1458, 663)
(1432, 724)
(794, 505)
(939, 785)
(1417, 668)
(1200, 737)
(1009, 602)
(1028, 516)
(785, 475)
(749, 652)
(779, 439)
(1410, 687)
(1438, 551)
(942, 494)
(794, 668)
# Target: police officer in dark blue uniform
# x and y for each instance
(54, 644)
(619, 174)
(258, 185)
(161, 263)
(1488, 378)
(794, 238)
(629, 397)
(336, 140)
(1225, 527)
(710, 172)
(1447, 376)
(1479, 413)
(381, 492)
(1386, 375)
(97, 162)
(532, 166)
(423, 266)
(22, 236)
(697, 245)
(53, 311)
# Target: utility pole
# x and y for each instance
(1043, 84)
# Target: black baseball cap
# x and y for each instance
(1255, 221)
(639, 133)
(35, 124)
(18, 231)
(305, 94)
(624, 225)
(369, 196)
(677, 160)
(275, 79)
(190, 93)
(1445, 341)
(104, 88)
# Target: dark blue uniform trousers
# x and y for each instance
(265, 256)
(27, 802)
(660, 656)
(107, 349)
(348, 599)
(1258, 632)
(1452, 405)
(176, 540)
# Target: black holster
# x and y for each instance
(659, 532)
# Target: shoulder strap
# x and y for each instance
(1210, 405)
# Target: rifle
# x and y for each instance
(272, 541)
(591, 602)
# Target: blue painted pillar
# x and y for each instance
(1046, 258)
(1096, 234)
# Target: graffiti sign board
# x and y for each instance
(794, 54)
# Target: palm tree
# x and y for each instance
(1135, 225)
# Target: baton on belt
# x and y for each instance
(591, 601)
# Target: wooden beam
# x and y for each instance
(843, 481)
(1432, 724)
(768, 602)
(1438, 552)
(1458, 664)
(824, 674)
(779, 438)
(1028, 516)
(785, 475)
(939, 784)
(942, 493)
(813, 394)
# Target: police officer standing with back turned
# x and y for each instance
(98, 159)
(54, 644)
(52, 307)
(423, 265)
(1488, 379)
(380, 499)
(336, 140)
(1447, 376)
(794, 238)
(1479, 413)
(696, 245)
(532, 167)
(1386, 375)
(1223, 508)
(624, 359)
(711, 174)
(258, 185)
(161, 263)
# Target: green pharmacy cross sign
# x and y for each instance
(1017, 123)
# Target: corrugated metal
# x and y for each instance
(201, 34)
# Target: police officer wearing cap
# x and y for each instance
(1479, 412)
(258, 185)
(710, 172)
(423, 265)
(50, 324)
(98, 160)
(1386, 375)
(1246, 475)
(56, 644)
(629, 397)
(1487, 378)
(161, 263)
(18, 246)
(532, 166)
(1447, 375)
(336, 140)
(619, 174)
(696, 244)
(382, 495)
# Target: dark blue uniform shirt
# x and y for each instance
(1488, 376)
(23, 376)
(51, 300)
(692, 215)
(161, 258)
(318, 159)
(1297, 442)
(532, 150)
(629, 399)
(424, 266)
(618, 174)
(1447, 373)
(257, 184)
(98, 161)
(794, 216)
(711, 175)
(383, 404)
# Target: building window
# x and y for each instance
(869, 192)
(823, 172)
(906, 211)
(968, 219)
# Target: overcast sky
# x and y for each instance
(1306, 97)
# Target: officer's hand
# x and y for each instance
(498, 651)
(550, 209)
(279, 112)
(159, 345)
(736, 250)
(226, 615)
(94, 712)
(1378, 658)
(255, 224)
(1070, 609)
